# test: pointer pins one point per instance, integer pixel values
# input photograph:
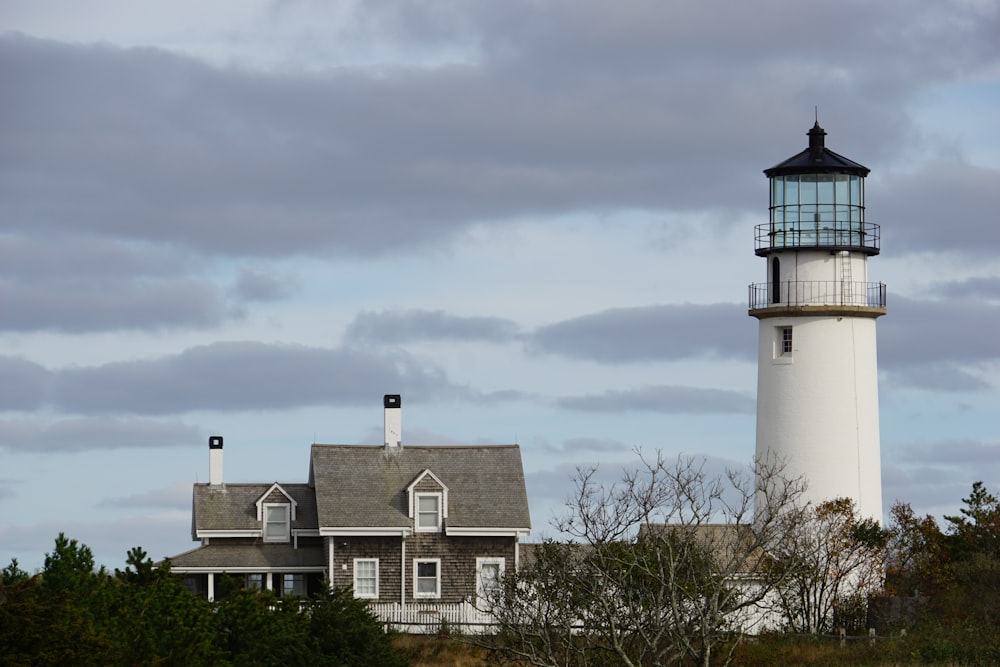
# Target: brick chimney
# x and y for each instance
(393, 421)
(215, 460)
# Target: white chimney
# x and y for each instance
(215, 460)
(393, 421)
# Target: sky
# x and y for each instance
(533, 219)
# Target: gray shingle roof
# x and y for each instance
(233, 506)
(366, 486)
(223, 556)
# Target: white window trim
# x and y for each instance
(260, 501)
(366, 596)
(487, 560)
(443, 490)
(416, 512)
(437, 585)
(288, 522)
(778, 355)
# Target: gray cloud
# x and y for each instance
(176, 497)
(651, 333)
(244, 376)
(941, 206)
(665, 399)
(938, 377)
(923, 331)
(261, 286)
(93, 433)
(421, 325)
(25, 384)
(986, 287)
(935, 476)
(144, 144)
(84, 305)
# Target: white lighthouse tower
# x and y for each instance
(817, 384)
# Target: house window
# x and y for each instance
(276, 523)
(366, 578)
(428, 511)
(427, 578)
(293, 584)
(255, 581)
(783, 342)
(489, 572)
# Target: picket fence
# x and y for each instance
(463, 618)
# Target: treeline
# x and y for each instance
(74, 614)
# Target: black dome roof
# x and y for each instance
(817, 159)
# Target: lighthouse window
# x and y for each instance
(786, 340)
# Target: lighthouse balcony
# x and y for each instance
(819, 297)
(817, 235)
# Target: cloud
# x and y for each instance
(650, 333)
(25, 384)
(941, 206)
(245, 376)
(144, 144)
(935, 475)
(941, 377)
(260, 286)
(395, 327)
(177, 497)
(663, 399)
(85, 305)
(985, 287)
(923, 331)
(93, 433)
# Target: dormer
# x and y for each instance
(428, 502)
(276, 511)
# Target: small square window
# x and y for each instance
(428, 511)
(255, 582)
(427, 578)
(366, 578)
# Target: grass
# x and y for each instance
(917, 648)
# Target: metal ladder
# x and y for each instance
(846, 281)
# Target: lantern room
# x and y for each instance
(817, 202)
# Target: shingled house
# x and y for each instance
(404, 525)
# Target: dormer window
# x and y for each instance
(428, 514)
(277, 523)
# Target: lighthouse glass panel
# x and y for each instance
(817, 210)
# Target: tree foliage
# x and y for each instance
(834, 561)
(73, 614)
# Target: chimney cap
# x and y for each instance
(215, 442)
(392, 401)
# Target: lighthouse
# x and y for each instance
(817, 374)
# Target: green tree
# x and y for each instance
(976, 530)
(343, 632)
(153, 620)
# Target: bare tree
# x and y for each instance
(668, 565)
(833, 562)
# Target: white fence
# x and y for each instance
(462, 617)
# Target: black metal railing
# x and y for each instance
(817, 293)
(833, 235)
